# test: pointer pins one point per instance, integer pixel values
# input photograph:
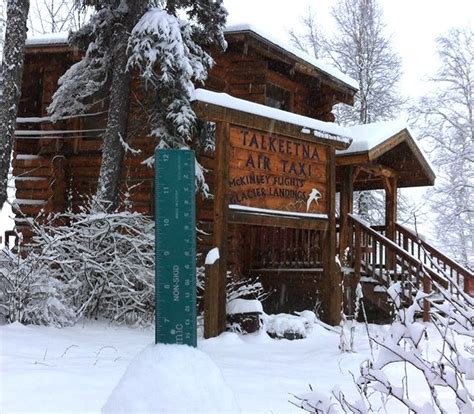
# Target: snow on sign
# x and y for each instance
(276, 172)
(175, 248)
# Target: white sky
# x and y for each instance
(413, 24)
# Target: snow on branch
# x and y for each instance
(88, 76)
(449, 368)
(162, 48)
(83, 264)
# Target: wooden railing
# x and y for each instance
(283, 248)
(414, 262)
(434, 260)
(369, 251)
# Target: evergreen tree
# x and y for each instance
(169, 55)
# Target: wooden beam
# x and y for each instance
(355, 173)
(241, 217)
(346, 205)
(352, 159)
(387, 145)
(390, 185)
(332, 275)
(216, 280)
(56, 48)
(216, 113)
(268, 49)
(379, 170)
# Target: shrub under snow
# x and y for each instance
(84, 264)
(29, 295)
(285, 326)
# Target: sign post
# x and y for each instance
(175, 248)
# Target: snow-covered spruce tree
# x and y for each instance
(12, 70)
(172, 55)
(446, 117)
(169, 54)
(103, 69)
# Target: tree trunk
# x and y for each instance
(13, 57)
(117, 122)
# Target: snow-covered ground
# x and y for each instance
(75, 369)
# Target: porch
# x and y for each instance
(387, 158)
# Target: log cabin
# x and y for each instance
(279, 162)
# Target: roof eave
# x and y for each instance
(215, 113)
(396, 139)
(297, 59)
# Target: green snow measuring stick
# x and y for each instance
(175, 247)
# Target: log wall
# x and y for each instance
(58, 170)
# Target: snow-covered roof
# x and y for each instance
(374, 139)
(61, 38)
(320, 129)
(317, 63)
(48, 39)
(368, 136)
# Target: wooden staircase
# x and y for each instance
(377, 262)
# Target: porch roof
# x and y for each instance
(385, 149)
(214, 106)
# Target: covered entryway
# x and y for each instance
(273, 215)
(385, 156)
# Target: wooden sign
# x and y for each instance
(277, 172)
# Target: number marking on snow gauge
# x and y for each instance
(175, 248)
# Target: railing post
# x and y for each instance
(333, 282)
(468, 284)
(216, 281)
(390, 217)
(426, 303)
(346, 200)
(357, 252)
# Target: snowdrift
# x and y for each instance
(171, 379)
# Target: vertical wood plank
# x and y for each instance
(333, 274)
(357, 251)
(346, 204)
(426, 303)
(390, 216)
(215, 289)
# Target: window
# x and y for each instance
(277, 97)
